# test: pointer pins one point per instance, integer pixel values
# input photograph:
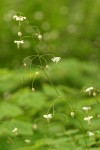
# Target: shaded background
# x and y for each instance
(69, 28)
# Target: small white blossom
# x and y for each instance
(40, 37)
(19, 42)
(56, 59)
(15, 130)
(19, 18)
(90, 133)
(86, 108)
(72, 114)
(27, 141)
(48, 117)
(88, 119)
(89, 90)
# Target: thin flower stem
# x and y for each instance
(83, 132)
(52, 83)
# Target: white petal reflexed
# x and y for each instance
(48, 117)
(19, 18)
(19, 42)
(90, 133)
(86, 108)
(88, 118)
(27, 141)
(56, 59)
(89, 89)
(14, 130)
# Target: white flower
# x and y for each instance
(19, 42)
(15, 130)
(48, 117)
(40, 37)
(72, 114)
(86, 108)
(14, 17)
(56, 59)
(89, 90)
(88, 119)
(27, 141)
(90, 133)
(19, 18)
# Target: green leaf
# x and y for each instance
(8, 110)
(29, 99)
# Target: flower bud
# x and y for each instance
(40, 37)
(19, 34)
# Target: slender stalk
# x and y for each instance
(83, 132)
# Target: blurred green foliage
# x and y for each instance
(24, 109)
(70, 30)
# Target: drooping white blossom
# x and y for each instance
(15, 130)
(88, 119)
(48, 117)
(89, 90)
(19, 42)
(90, 134)
(56, 59)
(85, 108)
